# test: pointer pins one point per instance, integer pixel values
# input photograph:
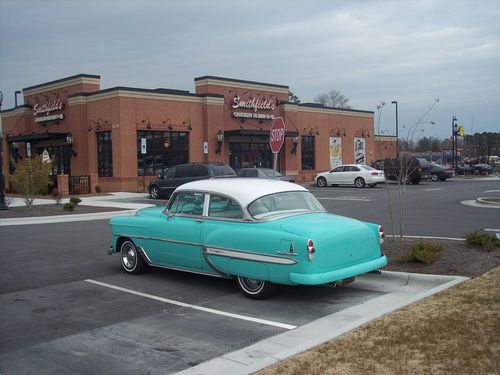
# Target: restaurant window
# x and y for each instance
(307, 152)
(104, 154)
(163, 150)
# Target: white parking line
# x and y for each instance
(195, 307)
(433, 189)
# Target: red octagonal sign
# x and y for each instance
(277, 135)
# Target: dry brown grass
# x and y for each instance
(454, 332)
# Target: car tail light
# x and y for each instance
(374, 173)
(381, 234)
(310, 249)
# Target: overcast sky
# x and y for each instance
(372, 51)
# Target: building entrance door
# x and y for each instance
(250, 155)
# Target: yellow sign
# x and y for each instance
(461, 131)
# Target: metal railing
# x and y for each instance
(79, 185)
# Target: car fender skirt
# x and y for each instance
(340, 274)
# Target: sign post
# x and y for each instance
(277, 138)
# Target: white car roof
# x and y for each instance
(244, 190)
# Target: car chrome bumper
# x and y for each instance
(343, 273)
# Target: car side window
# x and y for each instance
(338, 169)
(223, 207)
(187, 203)
(182, 171)
(199, 170)
(169, 173)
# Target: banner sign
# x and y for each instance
(335, 152)
(359, 151)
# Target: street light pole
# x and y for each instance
(454, 132)
(397, 139)
(3, 206)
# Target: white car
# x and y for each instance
(358, 175)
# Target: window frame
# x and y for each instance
(104, 139)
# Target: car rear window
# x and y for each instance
(220, 170)
(284, 203)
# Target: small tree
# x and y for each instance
(292, 98)
(31, 177)
(334, 99)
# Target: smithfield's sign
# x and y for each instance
(255, 105)
(46, 109)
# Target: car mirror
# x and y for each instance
(168, 213)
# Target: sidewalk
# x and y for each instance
(95, 201)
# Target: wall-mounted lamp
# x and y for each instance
(295, 143)
(338, 132)
(363, 133)
(168, 122)
(96, 124)
(188, 123)
(312, 131)
(220, 139)
(147, 122)
(69, 141)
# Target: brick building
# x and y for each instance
(120, 138)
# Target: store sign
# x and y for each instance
(259, 116)
(253, 103)
(46, 108)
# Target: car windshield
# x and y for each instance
(367, 167)
(271, 173)
(283, 204)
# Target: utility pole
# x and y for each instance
(454, 133)
(3, 206)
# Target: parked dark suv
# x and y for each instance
(404, 169)
(180, 174)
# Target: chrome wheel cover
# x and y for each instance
(129, 256)
(251, 286)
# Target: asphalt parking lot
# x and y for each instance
(67, 307)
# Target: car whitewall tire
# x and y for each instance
(131, 259)
(253, 288)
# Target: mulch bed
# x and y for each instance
(51, 210)
(456, 258)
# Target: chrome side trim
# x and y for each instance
(159, 239)
(149, 262)
(248, 255)
(212, 265)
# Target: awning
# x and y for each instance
(36, 137)
(256, 133)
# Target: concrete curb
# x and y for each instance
(402, 289)
(64, 218)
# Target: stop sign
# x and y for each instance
(277, 135)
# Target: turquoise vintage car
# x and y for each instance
(260, 232)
